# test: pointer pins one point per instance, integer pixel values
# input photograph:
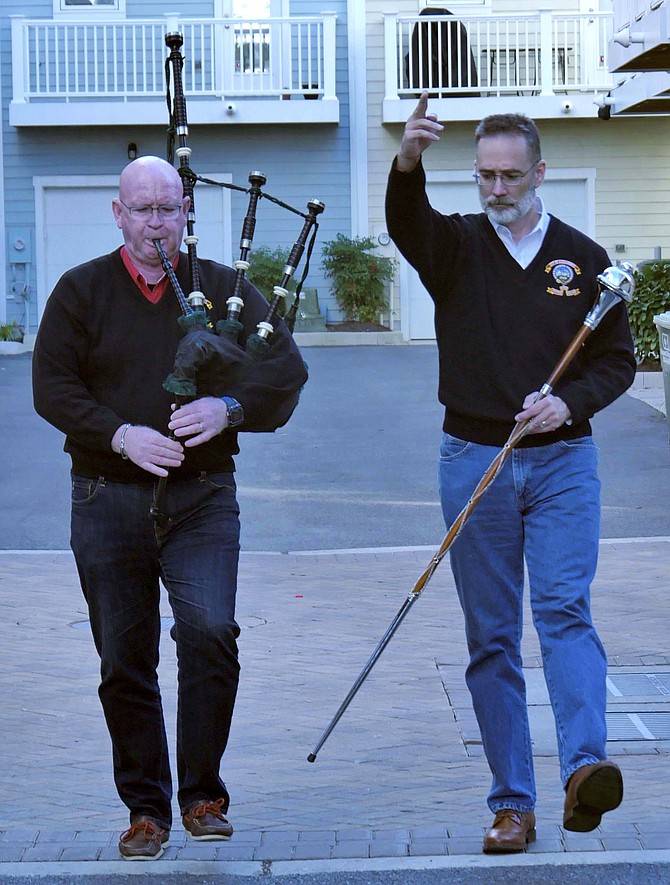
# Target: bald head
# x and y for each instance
(150, 173)
(150, 183)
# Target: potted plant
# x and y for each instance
(267, 271)
(11, 338)
(652, 297)
(359, 277)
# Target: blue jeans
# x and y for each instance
(543, 507)
(121, 556)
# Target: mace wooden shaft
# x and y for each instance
(494, 468)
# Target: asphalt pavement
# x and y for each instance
(340, 517)
(355, 467)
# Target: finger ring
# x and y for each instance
(543, 423)
(202, 427)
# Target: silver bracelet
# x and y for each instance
(122, 442)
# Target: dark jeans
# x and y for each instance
(120, 557)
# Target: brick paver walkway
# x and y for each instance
(401, 775)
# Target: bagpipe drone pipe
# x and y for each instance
(204, 346)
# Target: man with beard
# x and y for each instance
(511, 287)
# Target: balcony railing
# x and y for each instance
(459, 56)
(79, 60)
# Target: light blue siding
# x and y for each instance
(301, 162)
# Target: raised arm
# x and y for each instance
(421, 130)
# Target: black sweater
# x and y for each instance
(103, 352)
(501, 328)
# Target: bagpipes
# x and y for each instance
(201, 344)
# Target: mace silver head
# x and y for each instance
(619, 281)
(616, 284)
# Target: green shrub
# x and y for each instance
(267, 271)
(651, 297)
(11, 332)
(359, 278)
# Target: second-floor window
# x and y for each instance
(252, 50)
(88, 7)
(257, 8)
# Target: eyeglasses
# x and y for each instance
(145, 212)
(507, 179)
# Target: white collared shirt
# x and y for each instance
(527, 248)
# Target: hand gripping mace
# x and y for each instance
(615, 284)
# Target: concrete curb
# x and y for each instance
(647, 380)
(347, 339)
(472, 862)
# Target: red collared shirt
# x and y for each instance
(152, 293)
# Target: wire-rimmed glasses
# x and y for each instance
(507, 179)
(165, 213)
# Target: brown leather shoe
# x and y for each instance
(511, 831)
(592, 790)
(144, 840)
(206, 823)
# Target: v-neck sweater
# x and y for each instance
(501, 328)
(103, 352)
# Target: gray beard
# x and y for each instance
(506, 214)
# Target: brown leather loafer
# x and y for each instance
(206, 823)
(144, 840)
(511, 831)
(592, 790)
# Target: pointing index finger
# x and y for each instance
(421, 107)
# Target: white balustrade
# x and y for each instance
(123, 60)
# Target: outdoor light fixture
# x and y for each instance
(132, 150)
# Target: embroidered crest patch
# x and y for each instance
(563, 272)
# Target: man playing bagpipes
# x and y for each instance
(511, 287)
(107, 341)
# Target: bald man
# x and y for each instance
(106, 344)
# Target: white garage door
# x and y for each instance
(569, 197)
(75, 216)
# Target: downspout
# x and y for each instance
(358, 117)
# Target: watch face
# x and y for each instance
(235, 413)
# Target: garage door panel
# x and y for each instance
(78, 225)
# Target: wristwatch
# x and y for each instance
(235, 411)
